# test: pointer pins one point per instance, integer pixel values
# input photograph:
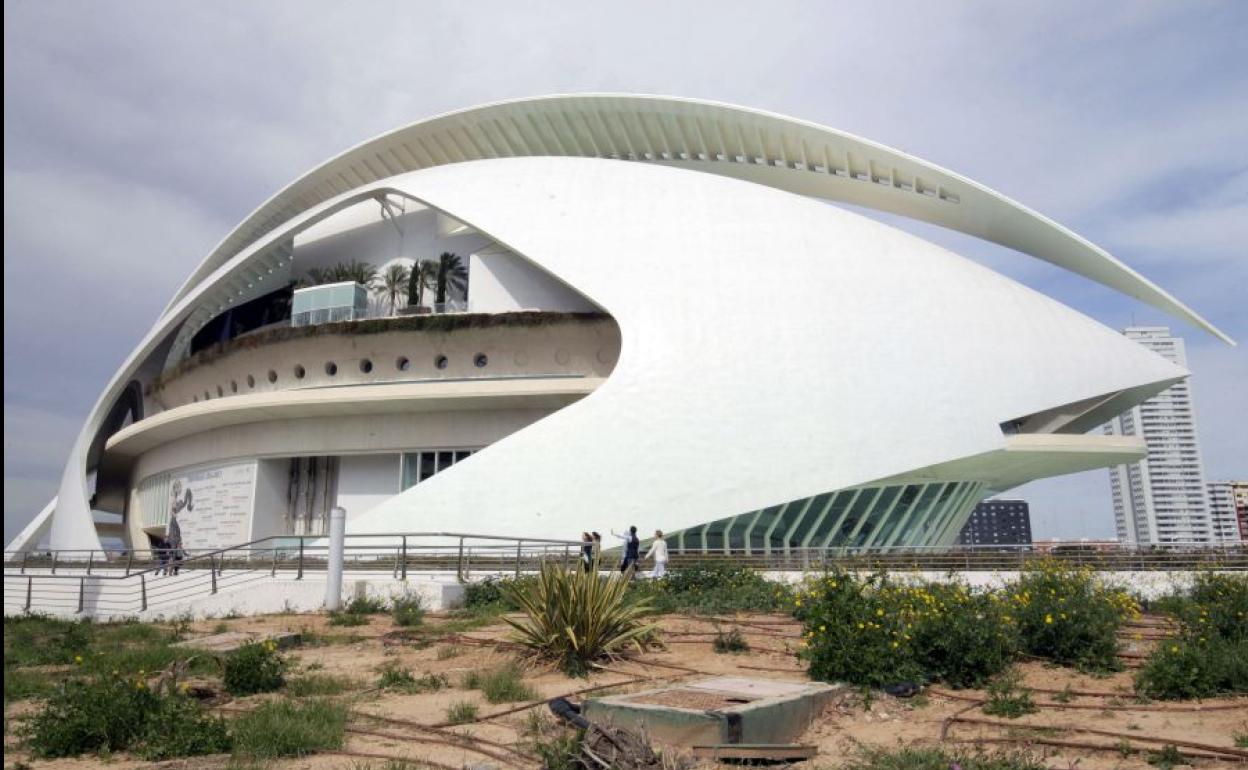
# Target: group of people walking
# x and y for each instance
(591, 550)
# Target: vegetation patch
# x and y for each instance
(110, 713)
(874, 631)
(1065, 614)
(318, 685)
(1008, 698)
(874, 758)
(461, 712)
(714, 588)
(254, 668)
(286, 728)
(730, 642)
(395, 677)
(578, 617)
(501, 685)
(408, 610)
(1209, 656)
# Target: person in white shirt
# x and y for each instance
(658, 549)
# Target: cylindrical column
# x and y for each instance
(333, 571)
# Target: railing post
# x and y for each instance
(54, 555)
(518, 542)
(90, 561)
(273, 571)
(29, 581)
(143, 591)
(459, 563)
(82, 591)
(25, 556)
(403, 563)
(129, 561)
(212, 569)
(299, 574)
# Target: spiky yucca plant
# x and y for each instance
(577, 617)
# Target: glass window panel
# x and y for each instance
(428, 465)
(876, 515)
(411, 469)
(856, 513)
(444, 460)
(839, 504)
(794, 514)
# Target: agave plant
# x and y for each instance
(577, 617)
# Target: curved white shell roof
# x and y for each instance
(883, 354)
(763, 147)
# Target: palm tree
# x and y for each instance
(420, 277)
(392, 284)
(452, 275)
(355, 270)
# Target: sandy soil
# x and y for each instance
(502, 734)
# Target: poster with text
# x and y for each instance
(213, 505)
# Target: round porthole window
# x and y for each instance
(480, 360)
(272, 376)
(402, 364)
(440, 362)
(331, 368)
(299, 372)
(366, 365)
(251, 381)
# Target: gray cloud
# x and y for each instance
(137, 133)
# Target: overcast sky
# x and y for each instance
(137, 134)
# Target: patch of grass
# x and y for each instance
(731, 642)
(318, 685)
(285, 728)
(1008, 698)
(1065, 696)
(449, 651)
(714, 588)
(20, 684)
(395, 677)
(220, 628)
(1241, 740)
(114, 713)
(408, 610)
(501, 685)
(876, 758)
(310, 638)
(560, 752)
(350, 619)
(462, 712)
(1167, 757)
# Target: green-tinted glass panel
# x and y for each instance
(875, 516)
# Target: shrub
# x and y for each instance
(714, 588)
(730, 642)
(561, 752)
(461, 713)
(494, 594)
(1008, 698)
(290, 729)
(38, 640)
(116, 713)
(365, 605)
(253, 668)
(874, 631)
(1066, 615)
(502, 685)
(1195, 667)
(350, 619)
(576, 617)
(408, 610)
(1216, 605)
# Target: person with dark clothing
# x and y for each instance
(162, 552)
(173, 544)
(587, 552)
(632, 548)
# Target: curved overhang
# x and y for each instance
(309, 403)
(762, 147)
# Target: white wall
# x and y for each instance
(500, 282)
(366, 480)
(272, 489)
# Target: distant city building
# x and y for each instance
(998, 522)
(1162, 498)
(1228, 508)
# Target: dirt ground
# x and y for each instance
(412, 726)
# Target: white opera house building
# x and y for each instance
(648, 313)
